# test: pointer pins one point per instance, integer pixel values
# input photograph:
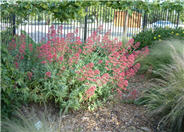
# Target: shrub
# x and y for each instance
(160, 55)
(151, 36)
(71, 73)
(6, 35)
(13, 91)
(166, 96)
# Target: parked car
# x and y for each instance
(162, 24)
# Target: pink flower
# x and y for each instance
(91, 91)
(137, 45)
(107, 68)
(91, 65)
(81, 79)
(97, 71)
(126, 83)
(137, 66)
(61, 58)
(77, 30)
(22, 57)
(119, 92)
(48, 74)
(16, 65)
(100, 61)
(43, 62)
(30, 47)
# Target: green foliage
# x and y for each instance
(6, 35)
(101, 12)
(160, 55)
(182, 16)
(146, 6)
(16, 85)
(61, 11)
(31, 121)
(155, 15)
(152, 36)
(166, 96)
(36, 120)
(13, 89)
(17, 88)
(66, 10)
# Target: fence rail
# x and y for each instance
(37, 26)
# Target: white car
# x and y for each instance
(163, 24)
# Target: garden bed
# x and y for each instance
(115, 115)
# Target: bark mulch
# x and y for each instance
(114, 116)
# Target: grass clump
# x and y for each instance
(31, 120)
(160, 54)
(166, 96)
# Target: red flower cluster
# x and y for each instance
(12, 45)
(75, 58)
(89, 47)
(103, 79)
(21, 46)
(57, 47)
(48, 74)
(119, 63)
(87, 73)
(90, 92)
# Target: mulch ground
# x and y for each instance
(114, 116)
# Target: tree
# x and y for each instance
(148, 7)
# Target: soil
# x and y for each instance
(114, 116)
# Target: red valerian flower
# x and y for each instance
(90, 92)
(31, 47)
(100, 61)
(43, 62)
(17, 65)
(48, 74)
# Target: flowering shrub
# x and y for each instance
(150, 37)
(76, 74)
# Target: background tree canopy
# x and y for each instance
(66, 9)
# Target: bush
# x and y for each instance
(160, 55)
(13, 92)
(151, 36)
(71, 73)
(6, 35)
(166, 96)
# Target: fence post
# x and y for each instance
(85, 25)
(178, 17)
(14, 27)
(144, 21)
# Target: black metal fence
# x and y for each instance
(110, 19)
